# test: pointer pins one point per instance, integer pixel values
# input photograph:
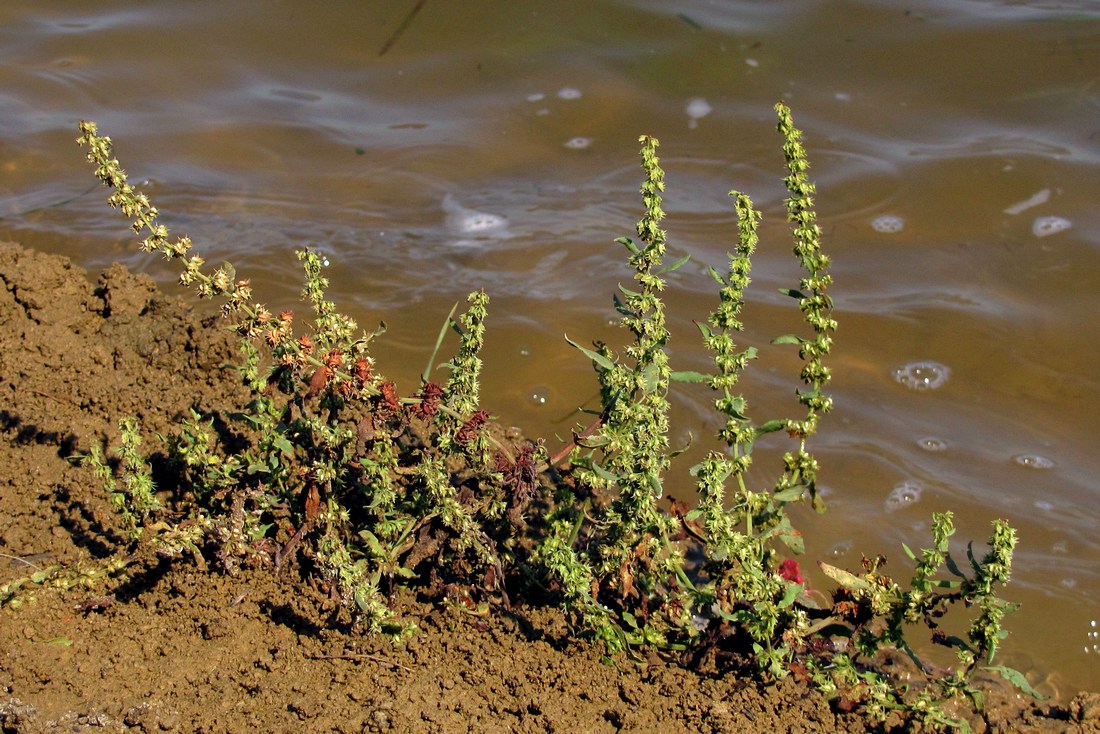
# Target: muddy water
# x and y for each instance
(957, 156)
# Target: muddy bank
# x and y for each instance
(172, 649)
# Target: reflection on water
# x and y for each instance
(956, 157)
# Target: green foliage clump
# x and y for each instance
(373, 489)
(331, 468)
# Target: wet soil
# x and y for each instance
(169, 648)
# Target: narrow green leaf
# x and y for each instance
(604, 473)
(675, 266)
(689, 376)
(771, 427)
(718, 277)
(629, 244)
(651, 378)
(655, 484)
(600, 360)
(621, 307)
(438, 342)
(789, 339)
(908, 552)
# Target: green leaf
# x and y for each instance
(705, 330)
(844, 578)
(792, 293)
(791, 494)
(651, 378)
(1017, 679)
(675, 266)
(283, 444)
(629, 244)
(789, 339)
(770, 427)
(718, 277)
(655, 484)
(793, 541)
(604, 473)
(908, 552)
(792, 592)
(601, 361)
(621, 307)
(447, 324)
(689, 376)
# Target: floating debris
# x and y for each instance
(1046, 226)
(1041, 197)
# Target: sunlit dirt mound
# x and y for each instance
(172, 649)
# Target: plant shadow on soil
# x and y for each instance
(173, 648)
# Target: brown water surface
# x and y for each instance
(946, 136)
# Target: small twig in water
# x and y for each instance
(403, 27)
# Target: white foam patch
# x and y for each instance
(577, 143)
(923, 376)
(697, 108)
(470, 223)
(1033, 461)
(569, 93)
(888, 224)
(903, 495)
(1046, 226)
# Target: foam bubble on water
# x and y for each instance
(842, 97)
(1033, 461)
(462, 221)
(752, 62)
(536, 97)
(888, 224)
(539, 395)
(922, 376)
(697, 108)
(931, 443)
(1043, 505)
(1046, 226)
(578, 143)
(569, 93)
(841, 548)
(1069, 583)
(904, 494)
